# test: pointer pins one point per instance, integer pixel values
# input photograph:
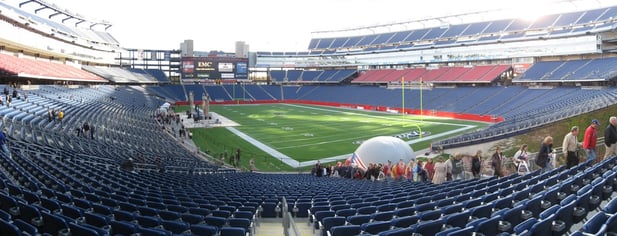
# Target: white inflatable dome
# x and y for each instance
(383, 148)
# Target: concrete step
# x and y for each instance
(274, 227)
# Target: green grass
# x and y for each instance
(307, 133)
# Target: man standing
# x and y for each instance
(570, 144)
(610, 138)
(456, 165)
(590, 139)
(497, 162)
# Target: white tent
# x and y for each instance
(383, 149)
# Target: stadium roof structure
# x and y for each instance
(65, 13)
(445, 34)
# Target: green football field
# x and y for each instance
(305, 133)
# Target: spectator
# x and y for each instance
(409, 170)
(398, 172)
(318, 169)
(497, 162)
(590, 139)
(440, 171)
(430, 168)
(251, 165)
(60, 115)
(4, 143)
(456, 165)
(85, 129)
(50, 117)
(570, 146)
(476, 164)
(543, 160)
(419, 173)
(92, 132)
(387, 168)
(26, 96)
(521, 158)
(610, 138)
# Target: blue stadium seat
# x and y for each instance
(203, 229)
(77, 229)
(268, 209)
(459, 219)
(53, 224)
(154, 232)
(7, 228)
(148, 221)
(358, 219)
(345, 230)
(430, 227)
(405, 221)
(124, 228)
(384, 216)
(398, 232)
(219, 222)
(176, 227)
(328, 222)
(375, 227)
(232, 231)
(596, 225)
(25, 227)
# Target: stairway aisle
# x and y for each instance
(274, 227)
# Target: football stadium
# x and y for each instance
(405, 128)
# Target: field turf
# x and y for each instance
(307, 133)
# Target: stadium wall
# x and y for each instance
(444, 114)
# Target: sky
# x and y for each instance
(271, 25)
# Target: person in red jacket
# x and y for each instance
(590, 139)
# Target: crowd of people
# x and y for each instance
(444, 168)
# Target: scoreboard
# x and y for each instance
(214, 68)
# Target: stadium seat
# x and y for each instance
(203, 229)
(218, 222)
(176, 227)
(148, 221)
(246, 224)
(397, 232)
(404, 222)
(26, 228)
(53, 224)
(596, 225)
(7, 228)
(154, 232)
(344, 230)
(383, 216)
(329, 222)
(430, 227)
(375, 227)
(77, 229)
(489, 226)
(232, 231)
(124, 228)
(358, 219)
(269, 209)
(192, 218)
(459, 219)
